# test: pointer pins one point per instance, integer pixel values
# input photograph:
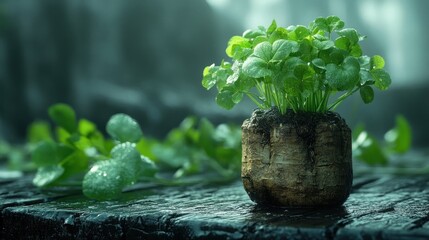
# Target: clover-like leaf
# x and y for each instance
(319, 63)
(367, 94)
(224, 99)
(256, 67)
(253, 33)
(263, 51)
(47, 175)
(367, 149)
(342, 43)
(236, 45)
(344, 76)
(323, 45)
(272, 27)
(128, 158)
(64, 116)
(320, 24)
(301, 32)
(381, 78)
(45, 154)
(104, 181)
(377, 62)
(335, 23)
(39, 131)
(123, 128)
(349, 33)
(282, 48)
(279, 33)
(399, 138)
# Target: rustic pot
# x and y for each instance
(300, 160)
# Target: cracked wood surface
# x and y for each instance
(378, 208)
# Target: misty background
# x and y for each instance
(145, 58)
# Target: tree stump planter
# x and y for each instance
(299, 160)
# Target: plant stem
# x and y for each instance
(341, 98)
(254, 100)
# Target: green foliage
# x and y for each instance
(297, 67)
(79, 155)
(399, 138)
(371, 151)
(64, 116)
(123, 128)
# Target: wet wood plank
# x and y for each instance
(379, 207)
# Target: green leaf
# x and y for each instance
(292, 85)
(62, 135)
(129, 160)
(257, 41)
(318, 62)
(364, 62)
(224, 99)
(47, 175)
(149, 169)
(145, 146)
(263, 51)
(356, 51)
(381, 78)
(343, 77)
(236, 45)
(98, 141)
(306, 50)
(244, 84)
(272, 27)
(236, 68)
(337, 56)
(367, 149)
(367, 94)
(349, 33)
(64, 116)
(256, 67)
(292, 62)
(399, 138)
(86, 127)
(206, 139)
(377, 62)
(45, 154)
(335, 23)
(103, 181)
(209, 79)
(279, 33)
(323, 45)
(75, 163)
(123, 128)
(320, 24)
(301, 32)
(80, 142)
(237, 97)
(365, 76)
(282, 48)
(253, 33)
(39, 131)
(342, 43)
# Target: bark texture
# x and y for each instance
(296, 160)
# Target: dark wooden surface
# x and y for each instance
(379, 208)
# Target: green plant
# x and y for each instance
(297, 67)
(369, 150)
(80, 156)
